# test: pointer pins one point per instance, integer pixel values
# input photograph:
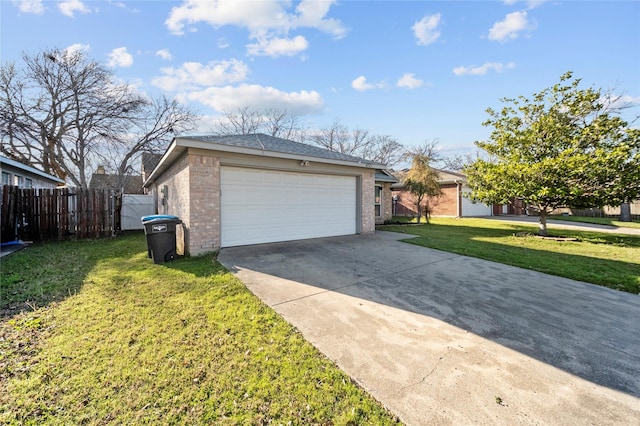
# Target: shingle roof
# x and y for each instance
(385, 176)
(150, 161)
(260, 141)
(128, 184)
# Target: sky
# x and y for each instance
(414, 70)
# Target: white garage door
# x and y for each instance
(263, 206)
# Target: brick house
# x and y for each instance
(454, 201)
(252, 189)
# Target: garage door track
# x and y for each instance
(441, 338)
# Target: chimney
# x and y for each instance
(100, 170)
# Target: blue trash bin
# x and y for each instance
(161, 237)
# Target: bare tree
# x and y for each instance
(272, 121)
(62, 112)
(243, 122)
(383, 149)
(283, 124)
(337, 137)
(429, 149)
(152, 130)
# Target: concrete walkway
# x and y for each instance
(443, 339)
(565, 224)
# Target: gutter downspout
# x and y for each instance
(459, 198)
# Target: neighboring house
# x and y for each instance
(252, 189)
(127, 184)
(383, 199)
(17, 174)
(454, 202)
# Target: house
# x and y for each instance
(252, 189)
(126, 184)
(21, 175)
(454, 202)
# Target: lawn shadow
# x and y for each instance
(583, 329)
(49, 272)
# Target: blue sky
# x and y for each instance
(415, 70)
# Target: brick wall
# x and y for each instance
(368, 197)
(204, 221)
(176, 202)
(445, 205)
(193, 194)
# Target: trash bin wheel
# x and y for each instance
(169, 256)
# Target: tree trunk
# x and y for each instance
(427, 212)
(543, 224)
(625, 212)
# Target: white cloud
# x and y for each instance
(230, 98)
(620, 101)
(119, 57)
(193, 74)
(164, 54)
(409, 81)
(78, 47)
(510, 27)
(531, 4)
(360, 84)
(275, 47)
(483, 69)
(70, 7)
(30, 6)
(269, 22)
(426, 30)
(312, 14)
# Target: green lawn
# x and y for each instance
(610, 260)
(109, 337)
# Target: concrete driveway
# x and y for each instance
(440, 338)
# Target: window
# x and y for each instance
(18, 180)
(28, 183)
(378, 200)
(6, 178)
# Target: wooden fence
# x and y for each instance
(58, 214)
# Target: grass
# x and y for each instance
(598, 221)
(609, 260)
(109, 337)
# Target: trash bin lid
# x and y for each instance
(158, 216)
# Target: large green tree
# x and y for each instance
(564, 147)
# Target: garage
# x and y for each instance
(237, 190)
(262, 206)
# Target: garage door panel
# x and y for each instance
(260, 206)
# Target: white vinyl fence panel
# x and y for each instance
(133, 208)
